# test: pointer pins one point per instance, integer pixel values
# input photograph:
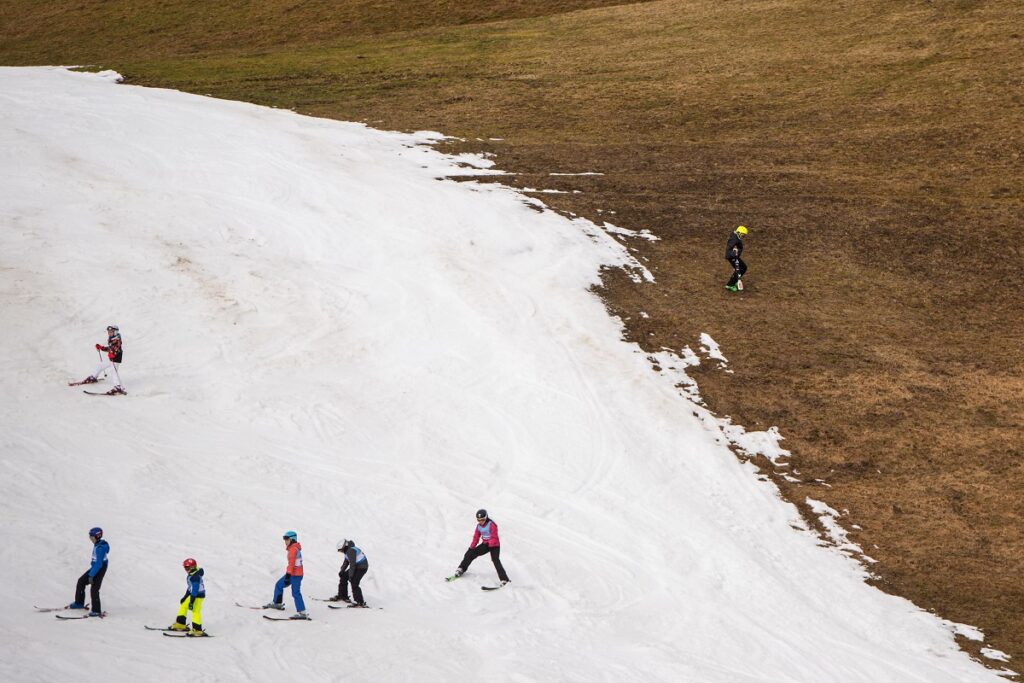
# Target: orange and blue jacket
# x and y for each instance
(294, 559)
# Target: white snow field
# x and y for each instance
(324, 334)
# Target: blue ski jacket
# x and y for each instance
(99, 557)
(195, 587)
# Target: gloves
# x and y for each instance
(110, 355)
(99, 347)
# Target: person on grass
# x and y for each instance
(733, 251)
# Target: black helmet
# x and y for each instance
(481, 514)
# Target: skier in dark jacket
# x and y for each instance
(114, 354)
(732, 254)
(94, 575)
(353, 569)
(486, 534)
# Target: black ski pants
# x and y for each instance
(94, 589)
(483, 549)
(738, 269)
(357, 576)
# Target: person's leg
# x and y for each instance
(300, 606)
(495, 553)
(97, 581)
(83, 581)
(343, 585)
(357, 592)
(743, 267)
(197, 614)
(279, 587)
(101, 367)
(735, 272)
(471, 555)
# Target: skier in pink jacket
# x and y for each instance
(486, 535)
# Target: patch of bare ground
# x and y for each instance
(873, 148)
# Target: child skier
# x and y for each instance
(292, 577)
(114, 354)
(353, 569)
(195, 593)
(93, 577)
(733, 250)
(486, 533)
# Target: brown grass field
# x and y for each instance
(873, 148)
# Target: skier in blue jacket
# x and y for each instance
(94, 576)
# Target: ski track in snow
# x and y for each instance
(322, 334)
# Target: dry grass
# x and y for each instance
(873, 147)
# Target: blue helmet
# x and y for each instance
(290, 535)
(95, 532)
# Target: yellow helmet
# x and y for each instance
(742, 230)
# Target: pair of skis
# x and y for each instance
(483, 588)
(113, 392)
(270, 618)
(65, 617)
(177, 633)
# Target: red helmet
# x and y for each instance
(189, 564)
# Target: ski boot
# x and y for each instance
(506, 582)
(90, 380)
(357, 604)
(95, 614)
(197, 631)
(339, 598)
(77, 605)
(178, 625)
(732, 288)
(300, 616)
(118, 390)
(274, 605)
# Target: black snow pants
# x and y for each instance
(94, 589)
(483, 549)
(357, 576)
(738, 269)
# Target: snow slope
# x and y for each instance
(322, 335)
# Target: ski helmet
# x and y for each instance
(95, 532)
(112, 328)
(481, 514)
(189, 564)
(742, 230)
(290, 535)
(345, 543)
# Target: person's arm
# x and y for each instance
(476, 536)
(350, 560)
(292, 552)
(494, 534)
(101, 556)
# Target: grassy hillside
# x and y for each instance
(874, 148)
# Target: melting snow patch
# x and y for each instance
(644, 234)
(710, 348)
(828, 516)
(995, 654)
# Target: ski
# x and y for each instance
(78, 384)
(186, 635)
(328, 600)
(57, 609)
(249, 606)
(160, 628)
(491, 588)
(451, 578)
(270, 618)
(75, 618)
(353, 606)
(105, 393)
